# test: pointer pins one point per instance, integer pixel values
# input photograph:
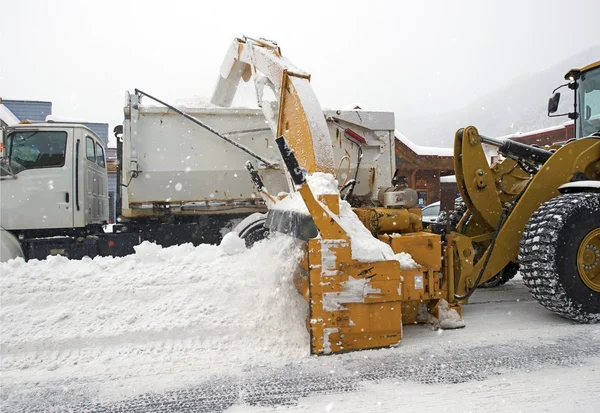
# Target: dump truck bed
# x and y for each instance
(171, 163)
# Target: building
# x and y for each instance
(545, 137)
(15, 111)
(422, 167)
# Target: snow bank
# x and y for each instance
(223, 312)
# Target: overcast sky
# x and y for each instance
(401, 56)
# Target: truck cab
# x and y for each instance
(53, 181)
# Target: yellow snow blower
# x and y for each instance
(370, 268)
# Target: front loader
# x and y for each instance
(369, 268)
(537, 210)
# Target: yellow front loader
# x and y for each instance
(536, 208)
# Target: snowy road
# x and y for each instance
(513, 355)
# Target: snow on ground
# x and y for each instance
(152, 311)
(221, 328)
(558, 390)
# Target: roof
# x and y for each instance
(100, 129)
(535, 132)
(29, 109)
(54, 124)
(424, 150)
(575, 72)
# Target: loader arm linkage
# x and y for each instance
(501, 198)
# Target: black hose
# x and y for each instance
(487, 258)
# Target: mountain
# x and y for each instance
(521, 106)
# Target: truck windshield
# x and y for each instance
(36, 149)
(589, 103)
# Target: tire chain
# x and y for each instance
(537, 250)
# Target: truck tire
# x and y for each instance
(252, 229)
(10, 248)
(560, 256)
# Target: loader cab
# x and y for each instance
(585, 83)
(588, 102)
(53, 177)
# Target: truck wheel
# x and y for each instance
(560, 256)
(10, 248)
(252, 229)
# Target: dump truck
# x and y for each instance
(369, 267)
(181, 175)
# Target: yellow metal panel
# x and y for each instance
(474, 178)
(342, 319)
(294, 125)
(424, 247)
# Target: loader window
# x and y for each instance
(36, 149)
(100, 155)
(589, 94)
(90, 149)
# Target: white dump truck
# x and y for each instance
(178, 182)
(181, 172)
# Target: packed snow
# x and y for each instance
(232, 244)
(228, 320)
(213, 300)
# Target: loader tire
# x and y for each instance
(455, 215)
(252, 229)
(560, 256)
(507, 274)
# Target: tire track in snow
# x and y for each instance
(268, 387)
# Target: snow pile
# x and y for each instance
(406, 261)
(448, 317)
(320, 184)
(232, 244)
(184, 308)
(365, 247)
(195, 101)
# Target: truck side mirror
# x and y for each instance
(588, 112)
(118, 131)
(553, 103)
